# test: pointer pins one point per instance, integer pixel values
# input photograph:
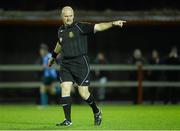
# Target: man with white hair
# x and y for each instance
(72, 44)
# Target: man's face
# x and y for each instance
(137, 54)
(155, 54)
(42, 52)
(67, 16)
(101, 56)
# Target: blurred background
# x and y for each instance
(136, 64)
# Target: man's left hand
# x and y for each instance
(118, 23)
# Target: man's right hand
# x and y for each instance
(51, 61)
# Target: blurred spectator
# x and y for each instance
(102, 76)
(137, 59)
(172, 76)
(49, 76)
(154, 75)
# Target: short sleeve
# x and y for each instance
(86, 28)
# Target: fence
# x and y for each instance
(115, 67)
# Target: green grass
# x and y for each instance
(114, 117)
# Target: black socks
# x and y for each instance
(66, 104)
(93, 105)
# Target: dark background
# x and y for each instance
(98, 5)
(19, 43)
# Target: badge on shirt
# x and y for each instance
(71, 34)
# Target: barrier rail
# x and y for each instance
(109, 67)
(110, 84)
(115, 67)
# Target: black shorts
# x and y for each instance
(76, 70)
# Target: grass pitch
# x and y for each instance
(122, 117)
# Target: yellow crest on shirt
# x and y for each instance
(71, 34)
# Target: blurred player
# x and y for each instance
(49, 76)
(136, 59)
(154, 75)
(72, 42)
(172, 76)
(102, 76)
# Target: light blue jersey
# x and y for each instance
(48, 72)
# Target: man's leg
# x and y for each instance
(43, 96)
(85, 94)
(66, 103)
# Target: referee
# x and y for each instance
(72, 44)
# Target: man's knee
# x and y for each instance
(84, 92)
(66, 88)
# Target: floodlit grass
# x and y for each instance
(114, 117)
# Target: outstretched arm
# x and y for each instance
(107, 25)
(56, 51)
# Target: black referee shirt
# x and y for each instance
(73, 39)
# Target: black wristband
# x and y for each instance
(54, 55)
